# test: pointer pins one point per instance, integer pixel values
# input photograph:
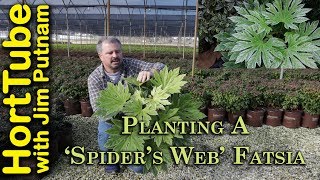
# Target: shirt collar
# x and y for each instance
(103, 74)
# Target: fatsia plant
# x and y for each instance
(275, 35)
(157, 101)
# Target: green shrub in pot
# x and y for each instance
(196, 87)
(292, 114)
(70, 89)
(218, 99)
(310, 98)
(291, 101)
(310, 101)
(255, 91)
(273, 98)
(237, 99)
(273, 101)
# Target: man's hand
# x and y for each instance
(144, 76)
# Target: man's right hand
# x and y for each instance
(144, 76)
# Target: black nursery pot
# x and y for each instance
(86, 109)
(310, 120)
(292, 119)
(72, 107)
(65, 137)
(234, 116)
(274, 117)
(216, 114)
(255, 117)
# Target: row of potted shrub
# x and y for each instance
(73, 106)
(69, 83)
(236, 73)
(261, 98)
(271, 117)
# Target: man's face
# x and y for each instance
(111, 57)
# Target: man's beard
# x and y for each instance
(116, 63)
(115, 60)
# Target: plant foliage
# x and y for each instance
(213, 18)
(291, 101)
(272, 35)
(310, 98)
(153, 103)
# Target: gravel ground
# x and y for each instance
(264, 138)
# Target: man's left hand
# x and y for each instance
(144, 76)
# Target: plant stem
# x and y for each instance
(281, 73)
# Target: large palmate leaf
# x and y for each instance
(135, 108)
(188, 107)
(250, 18)
(158, 98)
(254, 48)
(112, 100)
(170, 81)
(133, 81)
(166, 157)
(304, 45)
(311, 31)
(288, 12)
(137, 95)
(170, 115)
(315, 37)
(125, 143)
(227, 42)
(316, 56)
(299, 52)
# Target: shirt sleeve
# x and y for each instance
(94, 88)
(136, 65)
